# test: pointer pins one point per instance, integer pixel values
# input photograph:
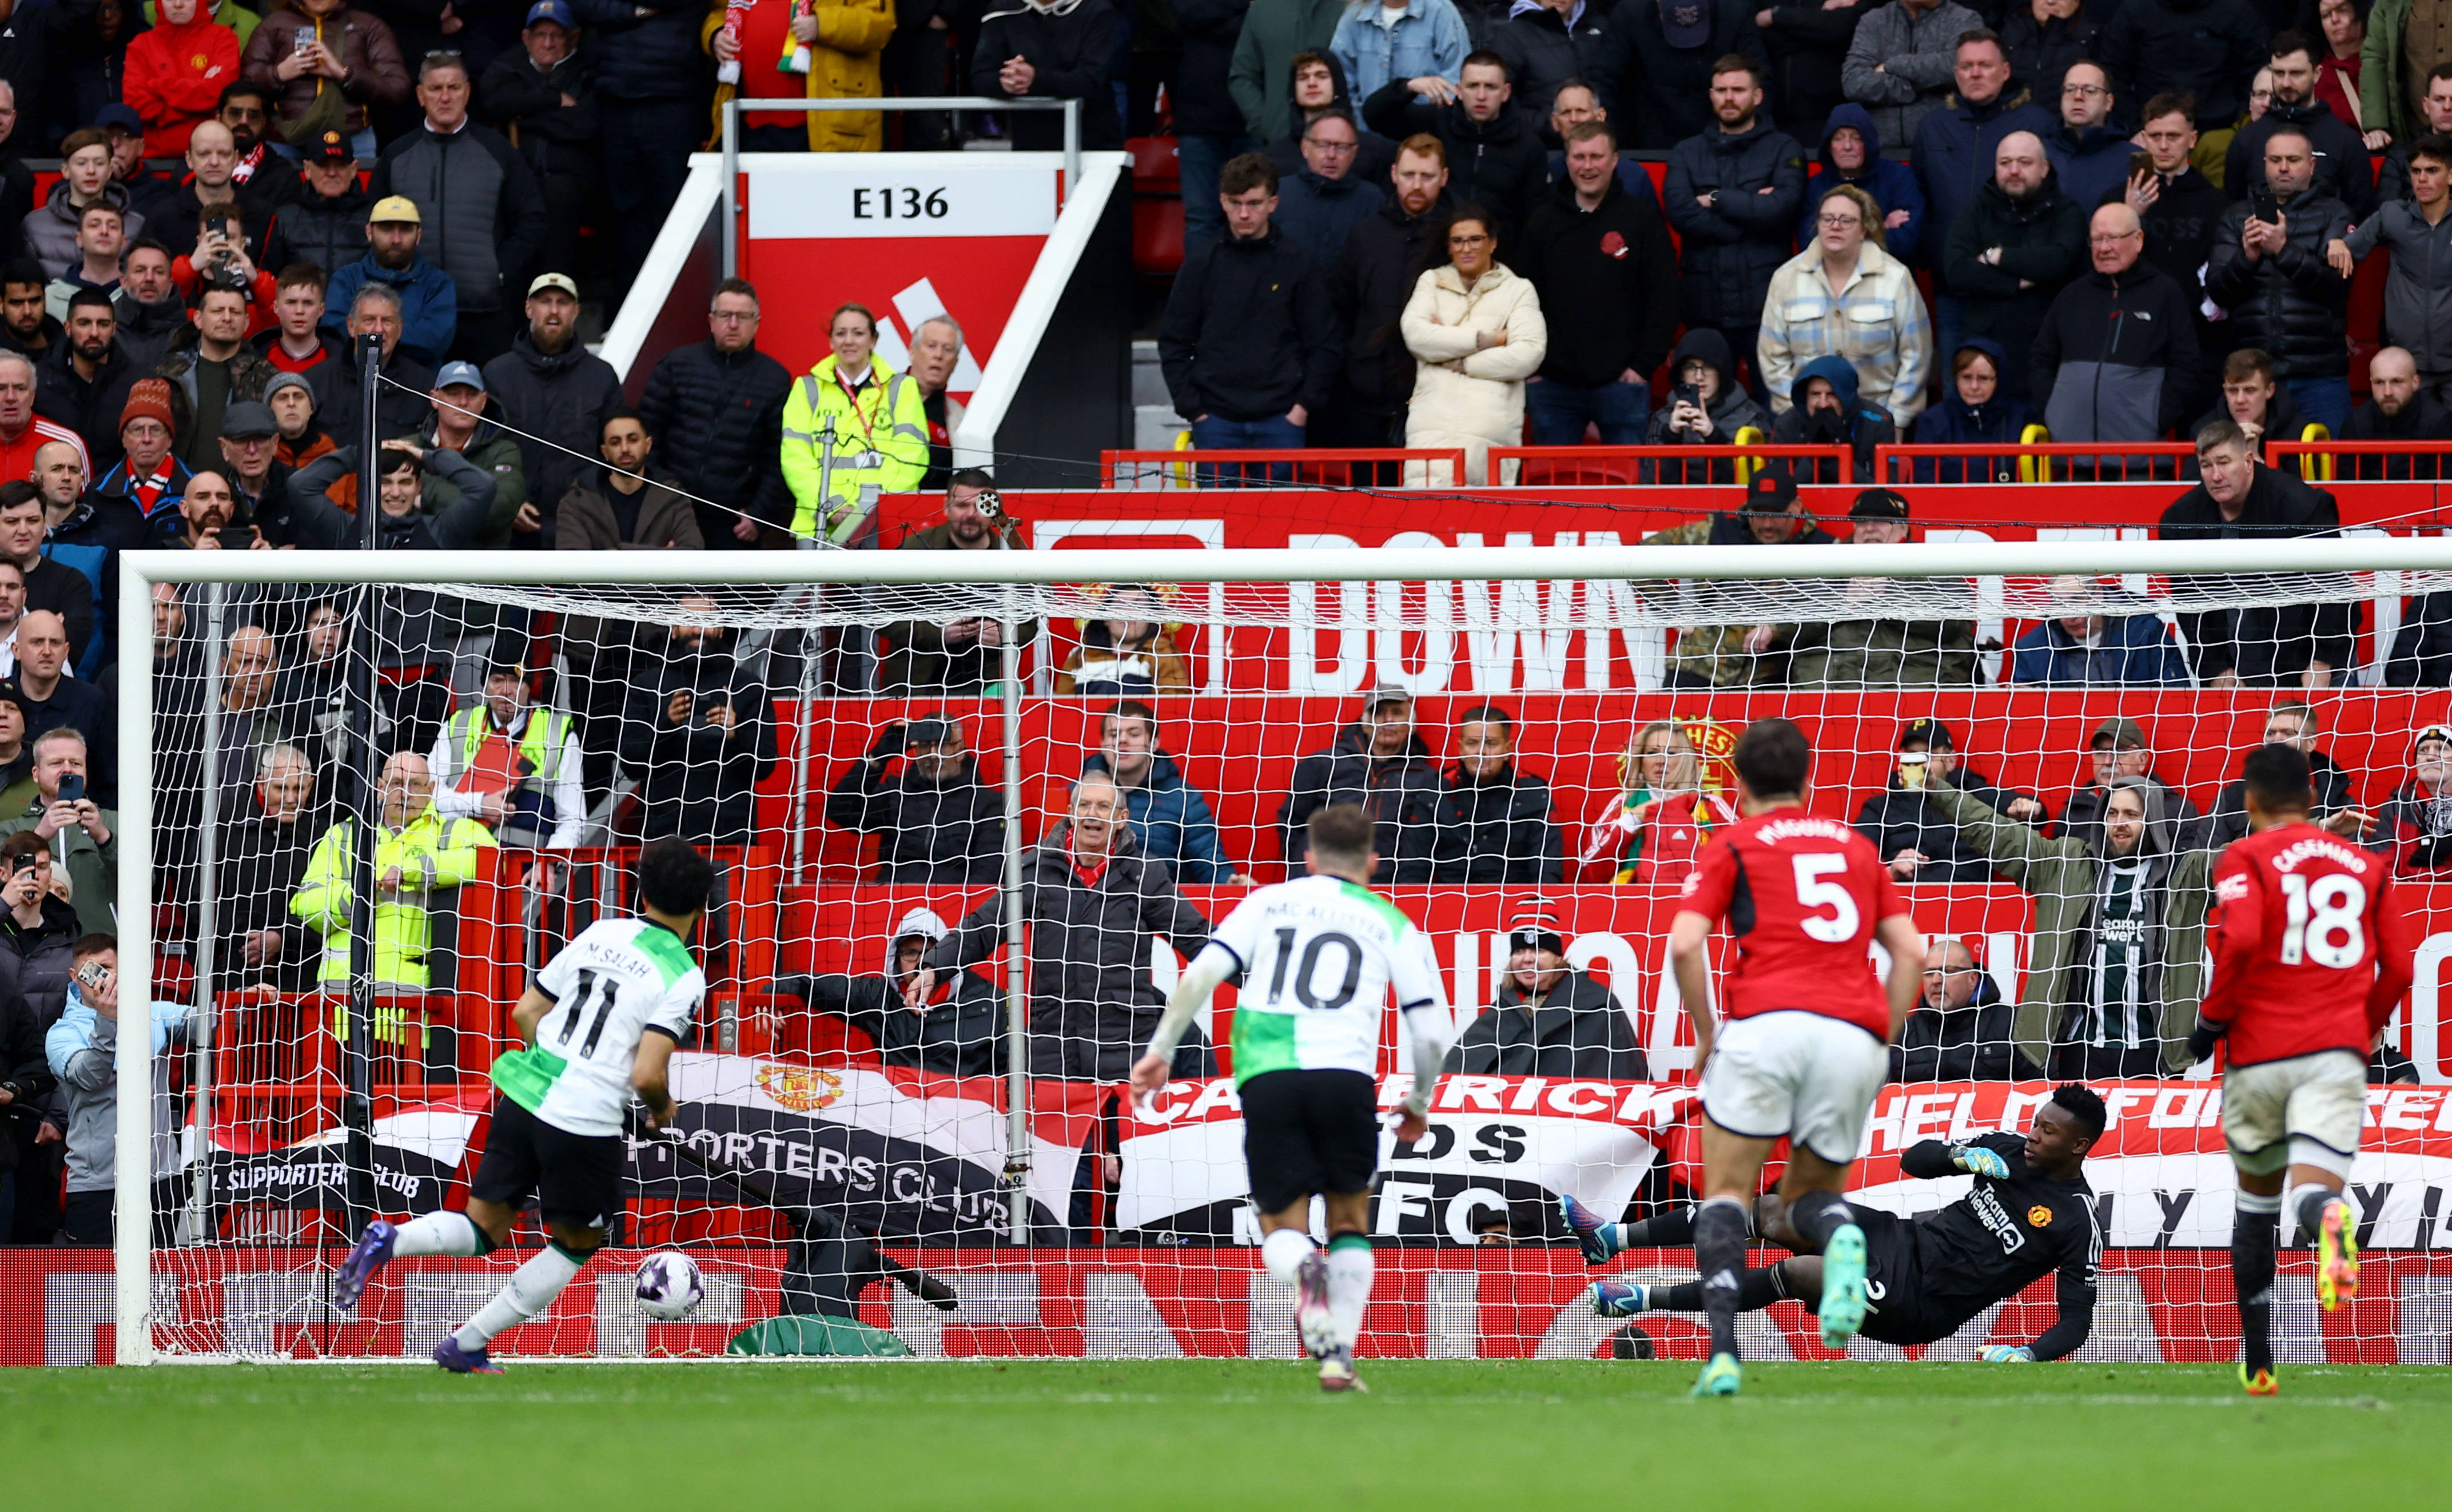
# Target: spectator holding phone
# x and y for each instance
(82, 1050)
(81, 835)
(36, 929)
(2280, 263)
(1707, 406)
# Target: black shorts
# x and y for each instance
(1308, 1132)
(575, 1178)
(1893, 1282)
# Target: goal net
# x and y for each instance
(877, 747)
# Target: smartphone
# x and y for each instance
(1687, 394)
(2141, 165)
(19, 865)
(92, 973)
(236, 538)
(302, 40)
(2261, 205)
(71, 787)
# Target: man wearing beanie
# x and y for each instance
(1547, 1018)
(149, 476)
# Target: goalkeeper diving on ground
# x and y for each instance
(2029, 1212)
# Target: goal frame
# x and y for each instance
(140, 571)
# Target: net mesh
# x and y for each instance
(1553, 750)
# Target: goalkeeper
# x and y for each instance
(2028, 1212)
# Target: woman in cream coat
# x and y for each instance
(1477, 333)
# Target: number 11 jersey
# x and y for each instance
(1315, 960)
(1802, 895)
(620, 980)
(2309, 952)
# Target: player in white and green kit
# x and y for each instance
(601, 1022)
(1315, 961)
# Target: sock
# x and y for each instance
(2253, 1224)
(1720, 1255)
(1756, 1289)
(1284, 1251)
(1816, 1215)
(442, 1233)
(533, 1287)
(2309, 1202)
(1348, 1284)
(1676, 1228)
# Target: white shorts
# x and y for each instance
(1806, 1075)
(2302, 1111)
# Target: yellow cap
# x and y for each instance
(397, 208)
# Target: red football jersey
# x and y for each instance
(2309, 952)
(1802, 895)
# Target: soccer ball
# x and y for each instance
(669, 1289)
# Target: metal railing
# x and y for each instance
(1607, 466)
(1188, 466)
(732, 110)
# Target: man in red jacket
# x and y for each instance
(176, 71)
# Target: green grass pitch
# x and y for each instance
(1252, 1436)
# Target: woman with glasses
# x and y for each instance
(1845, 296)
(1477, 333)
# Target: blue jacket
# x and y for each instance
(1955, 423)
(1318, 213)
(91, 560)
(2088, 164)
(1172, 823)
(2135, 649)
(429, 304)
(1892, 185)
(657, 56)
(1429, 37)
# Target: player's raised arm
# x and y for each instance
(1898, 936)
(1208, 972)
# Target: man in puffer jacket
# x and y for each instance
(482, 207)
(960, 1033)
(716, 407)
(2287, 291)
(2013, 249)
(2342, 168)
(1548, 1018)
(1733, 193)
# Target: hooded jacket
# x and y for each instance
(2264, 645)
(1260, 75)
(1374, 156)
(1977, 1043)
(1070, 43)
(1730, 249)
(1427, 37)
(2063, 876)
(1902, 817)
(2116, 357)
(1612, 266)
(2417, 286)
(1497, 831)
(1498, 164)
(961, 1033)
(1953, 156)
(1093, 1005)
(2209, 48)
(1892, 185)
(1731, 409)
(1857, 424)
(1578, 1031)
(2343, 170)
(927, 833)
(2041, 238)
(1876, 322)
(1917, 56)
(51, 229)
(1400, 793)
(1955, 423)
(1374, 277)
(175, 76)
(1660, 94)
(2131, 649)
(1247, 333)
(1171, 821)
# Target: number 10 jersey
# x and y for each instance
(1315, 960)
(620, 980)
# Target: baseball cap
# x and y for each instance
(396, 210)
(118, 117)
(2119, 731)
(1384, 693)
(460, 374)
(1879, 504)
(1686, 23)
(545, 281)
(246, 419)
(551, 10)
(1772, 491)
(334, 147)
(1928, 732)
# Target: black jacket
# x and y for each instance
(1093, 1005)
(1497, 831)
(1901, 818)
(655, 56)
(148, 331)
(1730, 249)
(1978, 1043)
(175, 226)
(260, 865)
(2042, 238)
(961, 1034)
(485, 216)
(1383, 258)
(527, 107)
(2041, 51)
(1400, 793)
(926, 832)
(1210, 28)
(1544, 50)
(697, 778)
(2268, 645)
(2422, 419)
(35, 962)
(2179, 226)
(718, 420)
(2291, 304)
(2209, 48)
(67, 593)
(1806, 45)
(1071, 54)
(51, 332)
(26, 1070)
(2342, 168)
(330, 233)
(1659, 94)
(2128, 344)
(1500, 164)
(1247, 333)
(562, 398)
(1614, 268)
(1578, 1031)
(89, 407)
(2326, 779)
(401, 408)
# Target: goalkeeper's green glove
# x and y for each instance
(1978, 1161)
(2008, 1355)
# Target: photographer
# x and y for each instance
(935, 820)
(221, 260)
(82, 1050)
(81, 835)
(1706, 407)
(36, 929)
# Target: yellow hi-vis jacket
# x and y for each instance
(883, 438)
(432, 853)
